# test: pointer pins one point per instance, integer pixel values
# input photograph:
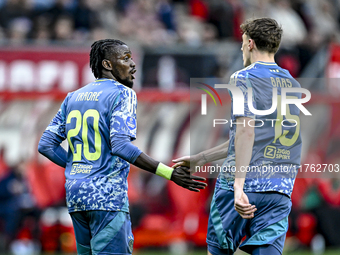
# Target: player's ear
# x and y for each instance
(107, 64)
(251, 44)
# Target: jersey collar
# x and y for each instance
(266, 63)
(103, 79)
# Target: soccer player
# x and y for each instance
(99, 122)
(245, 203)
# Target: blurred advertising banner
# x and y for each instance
(333, 69)
(33, 70)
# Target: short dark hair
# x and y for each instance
(99, 51)
(266, 33)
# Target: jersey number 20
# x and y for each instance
(81, 121)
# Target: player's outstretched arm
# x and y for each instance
(180, 175)
(123, 148)
(204, 157)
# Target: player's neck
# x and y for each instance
(263, 57)
(107, 75)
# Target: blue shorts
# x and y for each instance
(102, 232)
(226, 228)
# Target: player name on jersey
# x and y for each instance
(88, 96)
(281, 82)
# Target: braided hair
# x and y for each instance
(99, 51)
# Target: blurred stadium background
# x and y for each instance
(44, 53)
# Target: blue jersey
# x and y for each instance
(90, 118)
(277, 145)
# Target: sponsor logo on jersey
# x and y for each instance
(80, 169)
(130, 123)
(273, 152)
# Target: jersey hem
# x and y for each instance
(216, 245)
(257, 191)
(72, 210)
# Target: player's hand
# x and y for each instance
(242, 205)
(183, 177)
(189, 161)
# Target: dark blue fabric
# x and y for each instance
(214, 250)
(276, 143)
(10, 209)
(272, 207)
(89, 224)
(49, 146)
(123, 148)
(90, 118)
(270, 249)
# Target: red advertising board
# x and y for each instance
(333, 69)
(41, 71)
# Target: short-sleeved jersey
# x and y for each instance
(277, 143)
(90, 118)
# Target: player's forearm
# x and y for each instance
(216, 153)
(146, 163)
(153, 166)
(244, 140)
(123, 148)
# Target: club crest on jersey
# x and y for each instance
(130, 123)
(130, 244)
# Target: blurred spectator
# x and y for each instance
(15, 200)
(329, 191)
(99, 34)
(166, 14)
(288, 60)
(14, 14)
(222, 16)
(199, 8)
(294, 28)
(85, 17)
(209, 34)
(108, 17)
(190, 31)
(256, 8)
(141, 22)
(46, 4)
(123, 4)
(60, 8)
(18, 30)
(3, 166)
(305, 11)
(166, 22)
(63, 29)
(42, 4)
(238, 10)
(325, 25)
(42, 29)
